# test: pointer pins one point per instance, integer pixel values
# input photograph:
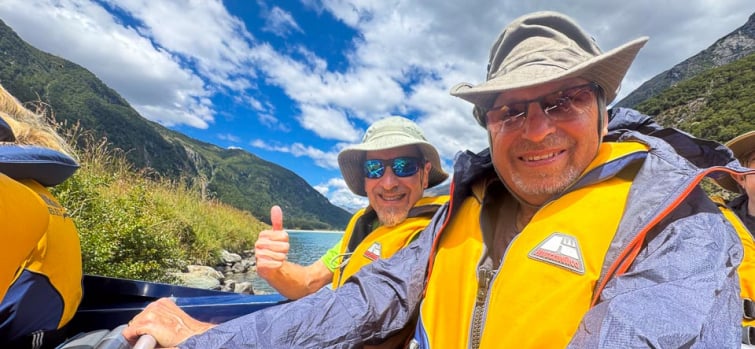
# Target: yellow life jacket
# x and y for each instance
(58, 254)
(558, 256)
(746, 269)
(24, 218)
(383, 241)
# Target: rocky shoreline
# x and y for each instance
(221, 277)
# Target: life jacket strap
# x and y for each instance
(748, 307)
(748, 335)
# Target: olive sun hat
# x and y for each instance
(542, 47)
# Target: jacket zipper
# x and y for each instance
(484, 275)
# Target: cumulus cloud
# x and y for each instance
(340, 195)
(328, 160)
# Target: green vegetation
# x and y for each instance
(134, 226)
(717, 104)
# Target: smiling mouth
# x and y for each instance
(395, 197)
(541, 157)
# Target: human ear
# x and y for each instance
(740, 179)
(426, 179)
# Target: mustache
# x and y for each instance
(551, 141)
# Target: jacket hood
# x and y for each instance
(700, 152)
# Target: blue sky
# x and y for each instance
(295, 81)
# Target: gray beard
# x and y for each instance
(392, 216)
(528, 188)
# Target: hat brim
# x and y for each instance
(350, 160)
(607, 70)
(741, 146)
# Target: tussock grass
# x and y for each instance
(132, 225)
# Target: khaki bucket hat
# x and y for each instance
(542, 47)
(741, 146)
(391, 132)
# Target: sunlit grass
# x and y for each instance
(132, 225)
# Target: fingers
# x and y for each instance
(165, 322)
(145, 342)
(271, 247)
(276, 217)
(271, 250)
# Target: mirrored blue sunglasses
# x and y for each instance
(403, 166)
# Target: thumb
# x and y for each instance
(276, 217)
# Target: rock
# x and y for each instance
(198, 281)
(229, 285)
(205, 271)
(244, 287)
(229, 257)
(238, 268)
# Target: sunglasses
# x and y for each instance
(403, 166)
(564, 105)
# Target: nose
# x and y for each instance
(537, 125)
(389, 179)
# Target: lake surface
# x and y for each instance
(306, 248)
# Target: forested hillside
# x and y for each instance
(717, 104)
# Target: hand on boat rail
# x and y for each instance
(165, 324)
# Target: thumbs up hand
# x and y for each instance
(272, 246)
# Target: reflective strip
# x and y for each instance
(37, 338)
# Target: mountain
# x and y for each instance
(236, 177)
(716, 104)
(736, 45)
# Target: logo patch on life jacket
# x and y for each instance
(373, 253)
(560, 250)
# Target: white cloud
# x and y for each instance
(229, 137)
(328, 123)
(340, 195)
(278, 21)
(327, 160)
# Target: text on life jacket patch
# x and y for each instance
(373, 253)
(560, 250)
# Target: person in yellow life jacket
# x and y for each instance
(392, 167)
(743, 147)
(554, 237)
(741, 212)
(46, 287)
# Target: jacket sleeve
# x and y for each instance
(373, 304)
(681, 291)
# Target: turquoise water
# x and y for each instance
(306, 248)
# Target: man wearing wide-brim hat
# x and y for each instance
(552, 238)
(392, 167)
(743, 147)
(586, 242)
(741, 214)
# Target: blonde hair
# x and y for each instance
(30, 128)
